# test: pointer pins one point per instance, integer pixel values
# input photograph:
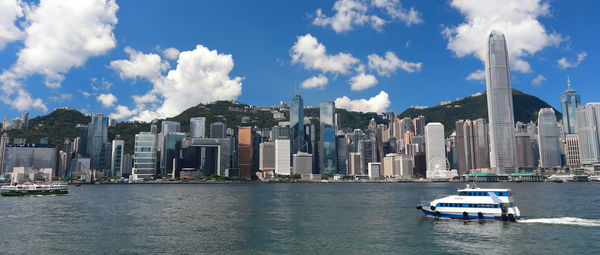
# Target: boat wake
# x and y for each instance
(565, 221)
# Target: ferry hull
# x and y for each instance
(468, 217)
(33, 193)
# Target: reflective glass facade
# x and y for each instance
(297, 124)
(500, 106)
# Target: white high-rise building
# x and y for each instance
(144, 157)
(435, 151)
(548, 138)
(197, 127)
(572, 150)
(283, 157)
(500, 106)
(588, 130)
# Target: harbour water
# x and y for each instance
(309, 218)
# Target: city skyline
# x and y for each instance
(278, 62)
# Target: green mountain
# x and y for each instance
(525, 107)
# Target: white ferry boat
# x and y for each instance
(34, 189)
(474, 203)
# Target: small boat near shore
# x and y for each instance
(34, 189)
(474, 203)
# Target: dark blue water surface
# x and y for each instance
(332, 218)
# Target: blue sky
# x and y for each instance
(106, 56)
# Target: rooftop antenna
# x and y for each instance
(568, 82)
(296, 88)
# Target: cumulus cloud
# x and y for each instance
(23, 101)
(315, 82)
(563, 63)
(140, 65)
(362, 81)
(10, 11)
(517, 19)
(171, 53)
(479, 74)
(201, 76)
(378, 103)
(538, 80)
(107, 100)
(352, 13)
(388, 64)
(313, 55)
(58, 36)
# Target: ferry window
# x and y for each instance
(470, 193)
(495, 206)
(462, 193)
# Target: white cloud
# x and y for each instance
(395, 10)
(107, 100)
(10, 11)
(85, 93)
(538, 80)
(479, 74)
(313, 55)
(58, 36)
(563, 63)
(60, 97)
(171, 53)
(122, 112)
(100, 84)
(378, 103)
(362, 81)
(516, 19)
(387, 65)
(315, 82)
(201, 76)
(23, 101)
(140, 65)
(352, 13)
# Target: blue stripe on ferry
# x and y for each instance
(460, 216)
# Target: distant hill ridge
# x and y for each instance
(61, 123)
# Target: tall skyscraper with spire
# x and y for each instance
(500, 105)
(570, 100)
(297, 124)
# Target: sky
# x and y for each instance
(147, 59)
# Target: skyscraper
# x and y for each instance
(144, 158)
(465, 146)
(245, 143)
(588, 130)
(282, 157)
(197, 127)
(218, 130)
(116, 159)
(481, 137)
(570, 100)
(572, 150)
(166, 128)
(435, 150)
(297, 124)
(266, 161)
(327, 144)
(500, 105)
(97, 142)
(548, 138)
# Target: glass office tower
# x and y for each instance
(570, 100)
(500, 106)
(327, 144)
(297, 124)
